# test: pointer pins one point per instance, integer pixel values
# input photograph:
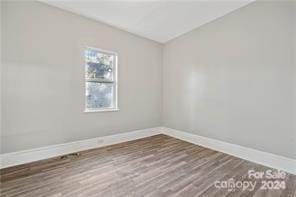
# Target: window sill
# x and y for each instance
(101, 110)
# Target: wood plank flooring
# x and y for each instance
(155, 166)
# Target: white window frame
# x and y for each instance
(115, 77)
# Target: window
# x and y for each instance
(100, 80)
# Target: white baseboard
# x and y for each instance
(27, 156)
(256, 156)
(260, 157)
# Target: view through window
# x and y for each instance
(100, 80)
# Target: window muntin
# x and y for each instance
(100, 80)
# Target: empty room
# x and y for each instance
(153, 98)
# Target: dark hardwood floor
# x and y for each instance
(153, 166)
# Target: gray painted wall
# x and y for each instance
(43, 70)
(294, 58)
(0, 82)
(232, 79)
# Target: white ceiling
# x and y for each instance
(160, 21)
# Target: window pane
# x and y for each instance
(99, 95)
(99, 65)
